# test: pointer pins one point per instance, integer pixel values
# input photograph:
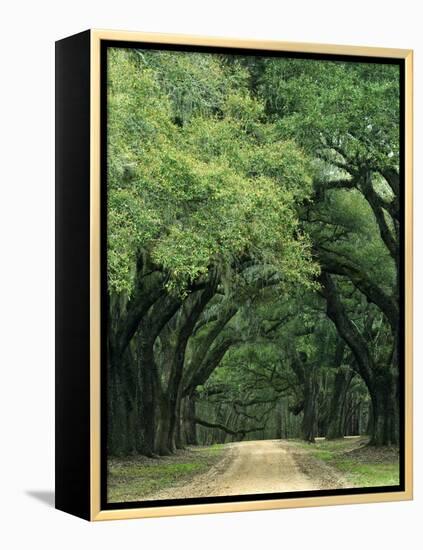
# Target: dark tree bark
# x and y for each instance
(378, 379)
(190, 427)
(211, 360)
(310, 412)
(386, 303)
(385, 412)
(203, 362)
(149, 381)
(123, 411)
(373, 199)
(336, 426)
(307, 376)
(168, 437)
(149, 287)
(237, 433)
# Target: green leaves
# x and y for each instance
(202, 194)
(348, 107)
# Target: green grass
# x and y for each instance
(368, 475)
(216, 448)
(361, 466)
(135, 478)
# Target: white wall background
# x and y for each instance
(28, 32)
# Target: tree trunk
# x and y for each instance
(115, 414)
(163, 427)
(189, 316)
(337, 407)
(123, 401)
(174, 400)
(190, 426)
(152, 391)
(385, 413)
(309, 423)
(148, 404)
(179, 428)
(279, 419)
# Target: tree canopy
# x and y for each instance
(253, 248)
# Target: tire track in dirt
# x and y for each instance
(254, 467)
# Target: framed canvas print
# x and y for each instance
(233, 275)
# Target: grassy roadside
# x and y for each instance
(360, 466)
(138, 477)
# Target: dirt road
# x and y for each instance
(251, 467)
